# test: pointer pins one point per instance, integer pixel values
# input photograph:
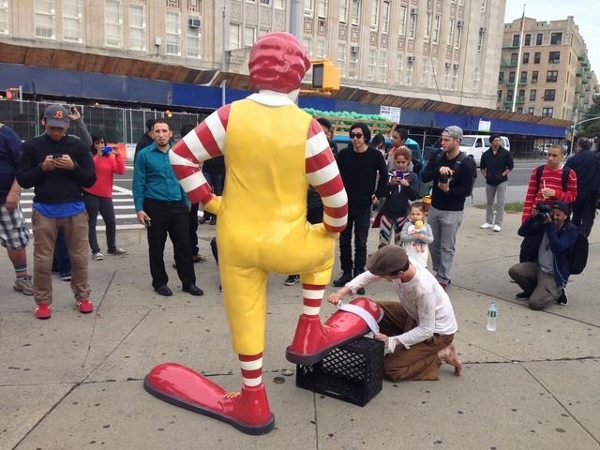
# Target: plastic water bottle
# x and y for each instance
(492, 313)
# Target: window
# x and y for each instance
(525, 58)
(531, 110)
(424, 73)
(353, 64)
(520, 109)
(72, 14)
(371, 64)
(3, 16)
(193, 42)
(341, 59)
(451, 32)
(448, 76)
(265, 2)
(458, 36)
(382, 66)
(555, 38)
(400, 69)
(320, 49)
(539, 39)
(499, 95)
(374, 14)
(435, 34)
(172, 32)
(527, 39)
(547, 112)
(249, 36)
(385, 17)
(44, 18)
(552, 76)
(427, 31)
(403, 13)
(515, 40)
(137, 27)
(308, 44)
(521, 97)
(523, 78)
(501, 77)
(279, 4)
(322, 8)
(532, 95)
(113, 23)
(549, 94)
(309, 7)
(481, 39)
(454, 83)
(408, 76)
(511, 76)
(554, 57)
(235, 36)
(476, 77)
(536, 57)
(343, 11)
(355, 12)
(412, 26)
(509, 95)
(514, 57)
(534, 76)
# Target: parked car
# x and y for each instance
(474, 145)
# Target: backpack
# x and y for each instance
(564, 177)
(460, 158)
(579, 255)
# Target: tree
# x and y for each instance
(591, 128)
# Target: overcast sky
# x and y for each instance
(586, 13)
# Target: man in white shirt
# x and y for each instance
(417, 331)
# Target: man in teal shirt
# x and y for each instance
(162, 206)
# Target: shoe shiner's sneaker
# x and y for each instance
(97, 256)
(24, 285)
(85, 306)
(485, 226)
(314, 340)
(248, 410)
(43, 311)
(497, 228)
(291, 280)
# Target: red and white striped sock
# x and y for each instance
(251, 366)
(312, 295)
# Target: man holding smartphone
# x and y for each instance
(58, 165)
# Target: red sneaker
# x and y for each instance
(43, 311)
(85, 306)
(248, 410)
(314, 340)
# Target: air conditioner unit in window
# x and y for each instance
(459, 24)
(194, 22)
(482, 30)
(448, 65)
(354, 48)
(455, 66)
(411, 59)
(414, 12)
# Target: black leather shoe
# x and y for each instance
(341, 281)
(523, 295)
(193, 290)
(164, 290)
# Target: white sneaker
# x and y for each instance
(97, 256)
(485, 226)
(497, 228)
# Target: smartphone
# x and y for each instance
(72, 109)
(57, 156)
(148, 222)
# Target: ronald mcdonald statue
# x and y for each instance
(273, 151)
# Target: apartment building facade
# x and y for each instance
(555, 78)
(446, 50)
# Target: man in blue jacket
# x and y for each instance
(544, 271)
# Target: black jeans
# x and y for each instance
(104, 205)
(193, 226)
(360, 219)
(171, 218)
(584, 211)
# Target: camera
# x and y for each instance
(106, 150)
(443, 179)
(544, 210)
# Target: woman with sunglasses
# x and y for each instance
(98, 198)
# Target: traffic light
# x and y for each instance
(326, 76)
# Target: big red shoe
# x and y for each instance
(248, 410)
(43, 311)
(314, 340)
(85, 306)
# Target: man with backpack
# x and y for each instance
(452, 173)
(550, 183)
(550, 258)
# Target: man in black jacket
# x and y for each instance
(359, 166)
(58, 166)
(587, 167)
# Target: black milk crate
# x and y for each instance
(352, 373)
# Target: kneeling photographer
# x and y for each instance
(543, 272)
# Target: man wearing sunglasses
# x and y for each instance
(359, 166)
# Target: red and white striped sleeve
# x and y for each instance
(204, 142)
(323, 174)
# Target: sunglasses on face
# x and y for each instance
(356, 135)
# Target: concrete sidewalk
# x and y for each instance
(75, 381)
